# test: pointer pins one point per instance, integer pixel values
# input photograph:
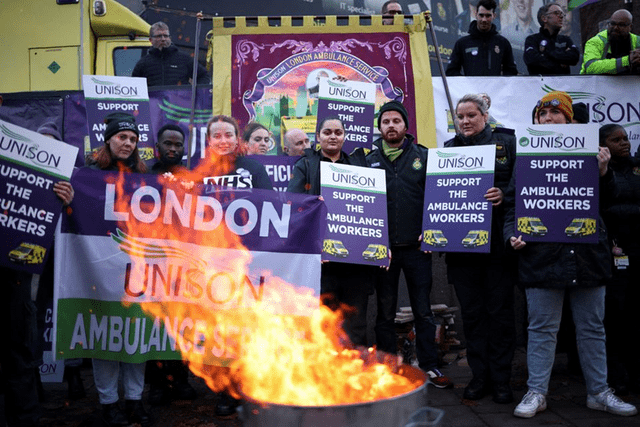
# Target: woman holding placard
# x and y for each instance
(341, 283)
(550, 270)
(119, 153)
(484, 282)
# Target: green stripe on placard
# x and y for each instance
(458, 173)
(36, 168)
(363, 190)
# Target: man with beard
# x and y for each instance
(164, 64)
(548, 52)
(404, 163)
(170, 147)
(614, 50)
(483, 52)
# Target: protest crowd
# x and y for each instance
(589, 289)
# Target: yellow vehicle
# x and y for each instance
(434, 238)
(48, 45)
(531, 225)
(335, 248)
(374, 252)
(581, 227)
(28, 253)
(475, 238)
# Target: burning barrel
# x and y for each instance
(392, 411)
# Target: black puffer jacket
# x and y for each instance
(405, 190)
(482, 54)
(621, 207)
(505, 141)
(305, 178)
(168, 67)
(549, 54)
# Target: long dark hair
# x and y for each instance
(104, 160)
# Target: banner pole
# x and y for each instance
(194, 83)
(427, 16)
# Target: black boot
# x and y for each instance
(113, 416)
(74, 382)
(226, 405)
(136, 413)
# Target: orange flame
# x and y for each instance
(273, 342)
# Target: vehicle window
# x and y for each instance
(125, 58)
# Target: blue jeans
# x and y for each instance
(545, 311)
(106, 373)
(417, 270)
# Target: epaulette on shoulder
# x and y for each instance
(506, 131)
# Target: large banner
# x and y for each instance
(264, 73)
(457, 217)
(130, 242)
(609, 99)
(557, 183)
(30, 164)
(356, 200)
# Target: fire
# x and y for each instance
(254, 337)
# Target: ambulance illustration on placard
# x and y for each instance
(434, 238)
(475, 238)
(532, 225)
(28, 253)
(580, 227)
(335, 248)
(374, 252)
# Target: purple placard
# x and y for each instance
(557, 198)
(457, 217)
(28, 217)
(279, 169)
(356, 201)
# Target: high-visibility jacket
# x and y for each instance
(595, 56)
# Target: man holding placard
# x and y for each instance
(551, 267)
(404, 163)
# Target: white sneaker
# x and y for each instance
(609, 402)
(532, 403)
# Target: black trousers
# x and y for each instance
(349, 284)
(19, 355)
(485, 291)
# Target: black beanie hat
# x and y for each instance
(394, 106)
(580, 112)
(117, 122)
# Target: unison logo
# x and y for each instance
(21, 146)
(343, 176)
(336, 89)
(457, 161)
(551, 139)
(110, 88)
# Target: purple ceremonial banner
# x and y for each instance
(356, 201)
(266, 220)
(457, 217)
(279, 169)
(30, 164)
(276, 75)
(557, 183)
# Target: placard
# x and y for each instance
(457, 217)
(356, 199)
(557, 183)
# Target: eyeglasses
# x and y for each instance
(558, 13)
(393, 12)
(161, 36)
(619, 24)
